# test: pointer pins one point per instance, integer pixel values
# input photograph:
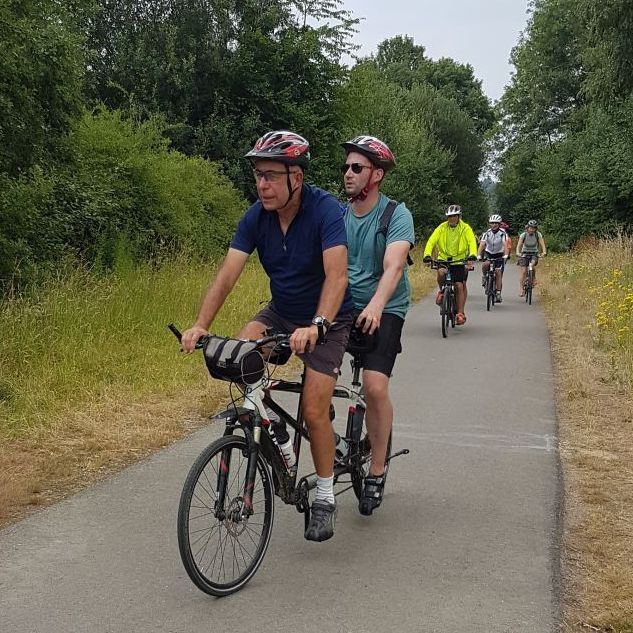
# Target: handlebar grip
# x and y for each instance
(175, 331)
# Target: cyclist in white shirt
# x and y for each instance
(494, 244)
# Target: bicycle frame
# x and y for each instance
(221, 501)
(251, 418)
(491, 283)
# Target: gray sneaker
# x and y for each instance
(498, 298)
(322, 520)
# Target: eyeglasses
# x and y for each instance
(355, 167)
(271, 175)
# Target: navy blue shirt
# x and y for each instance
(294, 262)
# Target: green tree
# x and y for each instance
(41, 65)
(224, 71)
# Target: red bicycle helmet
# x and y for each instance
(283, 146)
(374, 149)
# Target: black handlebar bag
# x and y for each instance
(234, 360)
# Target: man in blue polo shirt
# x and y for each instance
(299, 233)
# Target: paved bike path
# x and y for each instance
(466, 539)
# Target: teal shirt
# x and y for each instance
(361, 239)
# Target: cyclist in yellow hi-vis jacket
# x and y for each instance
(453, 240)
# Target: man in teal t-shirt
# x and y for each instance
(378, 280)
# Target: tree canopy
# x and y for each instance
(565, 127)
(109, 107)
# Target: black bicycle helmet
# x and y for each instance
(282, 146)
(374, 149)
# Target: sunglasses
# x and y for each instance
(355, 167)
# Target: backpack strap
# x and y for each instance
(381, 237)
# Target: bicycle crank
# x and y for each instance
(404, 451)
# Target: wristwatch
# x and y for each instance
(322, 324)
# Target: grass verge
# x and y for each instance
(588, 296)
(91, 380)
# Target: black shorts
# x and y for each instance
(327, 357)
(383, 357)
(498, 257)
(459, 272)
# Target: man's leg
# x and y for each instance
(317, 396)
(379, 417)
(485, 267)
(441, 275)
(460, 296)
(379, 413)
(252, 330)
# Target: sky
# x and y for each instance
(478, 32)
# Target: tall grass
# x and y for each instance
(85, 337)
(601, 271)
(588, 296)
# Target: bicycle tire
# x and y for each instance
(445, 311)
(360, 459)
(452, 309)
(490, 292)
(200, 544)
(528, 288)
(360, 448)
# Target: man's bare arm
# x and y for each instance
(335, 284)
(216, 295)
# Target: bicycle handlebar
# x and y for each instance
(445, 263)
(281, 339)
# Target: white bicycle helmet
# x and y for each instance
(454, 209)
(495, 218)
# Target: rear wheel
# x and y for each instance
(360, 460)
(222, 547)
(360, 450)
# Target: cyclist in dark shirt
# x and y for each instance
(299, 234)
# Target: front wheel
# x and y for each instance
(222, 541)
(528, 288)
(490, 293)
(446, 311)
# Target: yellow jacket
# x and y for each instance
(466, 244)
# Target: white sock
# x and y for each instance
(325, 489)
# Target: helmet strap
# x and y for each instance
(291, 191)
(364, 192)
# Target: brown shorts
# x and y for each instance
(328, 356)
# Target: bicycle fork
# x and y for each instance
(242, 507)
